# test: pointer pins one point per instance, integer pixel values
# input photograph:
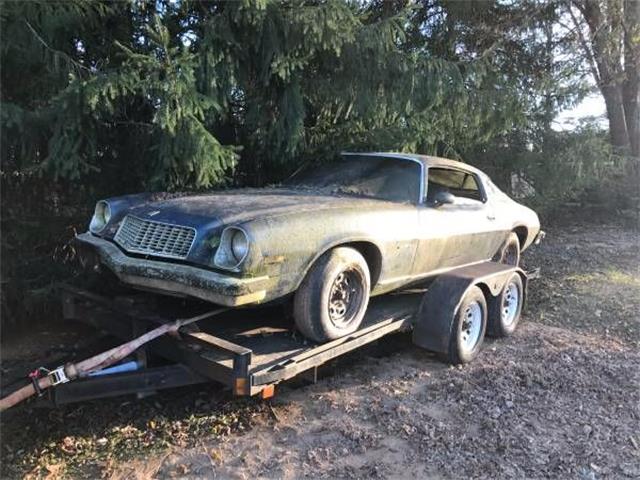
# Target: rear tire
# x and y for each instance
(469, 326)
(505, 310)
(509, 253)
(332, 299)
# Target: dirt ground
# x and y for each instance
(561, 398)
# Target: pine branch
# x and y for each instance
(53, 50)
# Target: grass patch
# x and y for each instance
(614, 276)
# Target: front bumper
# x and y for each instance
(176, 279)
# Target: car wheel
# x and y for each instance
(333, 297)
(504, 313)
(509, 253)
(469, 326)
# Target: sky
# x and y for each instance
(591, 106)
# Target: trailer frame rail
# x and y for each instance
(199, 356)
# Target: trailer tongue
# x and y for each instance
(72, 371)
(249, 351)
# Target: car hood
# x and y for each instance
(238, 206)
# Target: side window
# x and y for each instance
(457, 182)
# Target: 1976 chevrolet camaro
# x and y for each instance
(332, 236)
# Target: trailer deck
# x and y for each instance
(249, 350)
(174, 342)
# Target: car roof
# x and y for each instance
(425, 160)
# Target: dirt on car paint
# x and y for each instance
(558, 399)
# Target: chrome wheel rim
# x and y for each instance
(510, 304)
(471, 326)
(345, 298)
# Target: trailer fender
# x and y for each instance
(434, 320)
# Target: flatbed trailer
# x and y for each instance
(251, 352)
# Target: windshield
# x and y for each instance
(393, 179)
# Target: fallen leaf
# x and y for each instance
(55, 471)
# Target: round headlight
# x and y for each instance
(239, 245)
(101, 217)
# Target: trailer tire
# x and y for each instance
(333, 297)
(509, 253)
(469, 327)
(505, 309)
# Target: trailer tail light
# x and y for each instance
(268, 392)
(240, 387)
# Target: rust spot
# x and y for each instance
(273, 259)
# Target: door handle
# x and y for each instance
(491, 216)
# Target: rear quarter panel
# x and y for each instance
(513, 215)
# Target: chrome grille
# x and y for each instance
(136, 235)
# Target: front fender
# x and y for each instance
(291, 244)
(291, 256)
(338, 242)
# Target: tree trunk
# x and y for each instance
(632, 114)
(631, 85)
(614, 26)
(618, 130)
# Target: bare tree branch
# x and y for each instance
(585, 46)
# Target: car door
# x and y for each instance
(458, 233)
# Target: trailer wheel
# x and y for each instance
(504, 312)
(509, 253)
(333, 297)
(469, 326)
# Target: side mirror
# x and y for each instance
(442, 197)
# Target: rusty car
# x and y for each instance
(327, 238)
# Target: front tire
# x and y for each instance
(469, 326)
(332, 299)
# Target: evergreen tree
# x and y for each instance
(179, 93)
